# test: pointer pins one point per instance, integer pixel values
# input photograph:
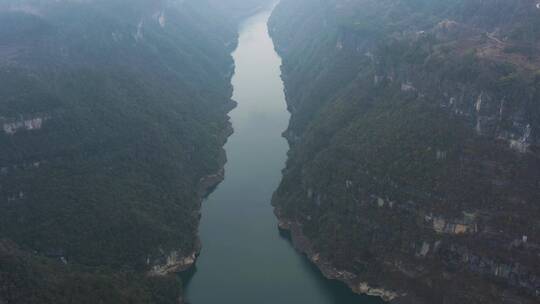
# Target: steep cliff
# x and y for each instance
(113, 115)
(414, 170)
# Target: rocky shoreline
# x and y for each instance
(175, 262)
(302, 244)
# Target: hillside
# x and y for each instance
(113, 120)
(414, 168)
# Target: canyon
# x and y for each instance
(244, 257)
(141, 147)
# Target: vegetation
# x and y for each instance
(30, 279)
(131, 101)
(410, 111)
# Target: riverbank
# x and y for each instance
(244, 259)
(176, 262)
(302, 243)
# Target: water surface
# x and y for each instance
(244, 259)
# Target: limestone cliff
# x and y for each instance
(414, 167)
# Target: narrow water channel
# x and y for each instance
(244, 258)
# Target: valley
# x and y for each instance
(246, 151)
(245, 258)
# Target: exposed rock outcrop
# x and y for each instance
(174, 262)
(303, 244)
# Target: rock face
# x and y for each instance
(304, 245)
(414, 167)
(173, 263)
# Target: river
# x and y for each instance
(244, 259)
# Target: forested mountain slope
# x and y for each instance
(414, 170)
(113, 117)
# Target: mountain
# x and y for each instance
(414, 170)
(113, 115)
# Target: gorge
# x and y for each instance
(315, 151)
(244, 258)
